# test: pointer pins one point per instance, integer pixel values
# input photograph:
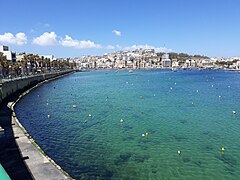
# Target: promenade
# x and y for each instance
(20, 156)
(10, 155)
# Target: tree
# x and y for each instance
(4, 65)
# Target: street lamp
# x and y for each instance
(20, 70)
(10, 71)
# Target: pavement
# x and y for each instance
(10, 156)
(39, 165)
(18, 156)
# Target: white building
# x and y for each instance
(11, 56)
(51, 57)
(207, 63)
(190, 63)
(20, 57)
(237, 65)
(166, 62)
(175, 63)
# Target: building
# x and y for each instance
(207, 63)
(51, 57)
(166, 62)
(11, 56)
(175, 63)
(237, 65)
(190, 63)
(20, 57)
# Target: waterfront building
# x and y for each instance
(238, 65)
(10, 55)
(129, 64)
(207, 63)
(109, 64)
(190, 63)
(175, 63)
(166, 61)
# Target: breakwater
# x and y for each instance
(18, 149)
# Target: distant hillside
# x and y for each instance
(183, 56)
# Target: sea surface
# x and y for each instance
(150, 124)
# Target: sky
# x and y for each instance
(72, 28)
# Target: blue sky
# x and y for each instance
(70, 28)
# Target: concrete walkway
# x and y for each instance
(39, 165)
(21, 158)
(10, 156)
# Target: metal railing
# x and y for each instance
(29, 75)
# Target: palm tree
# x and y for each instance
(4, 65)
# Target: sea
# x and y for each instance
(145, 124)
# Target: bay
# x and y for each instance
(98, 120)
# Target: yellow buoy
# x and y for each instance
(222, 149)
(146, 134)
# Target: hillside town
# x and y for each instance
(149, 59)
(17, 64)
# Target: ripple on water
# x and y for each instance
(101, 147)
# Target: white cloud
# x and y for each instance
(46, 39)
(19, 39)
(81, 44)
(117, 33)
(110, 47)
(51, 38)
(118, 46)
(146, 46)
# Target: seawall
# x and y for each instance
(20, 156)
(9, 87)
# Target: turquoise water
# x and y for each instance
(186, 111)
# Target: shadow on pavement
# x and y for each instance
(10, 156)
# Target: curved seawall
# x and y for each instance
(9, 87)
(18, 149)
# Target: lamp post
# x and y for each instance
(10, 71)
(20, 71)
(1, 73)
